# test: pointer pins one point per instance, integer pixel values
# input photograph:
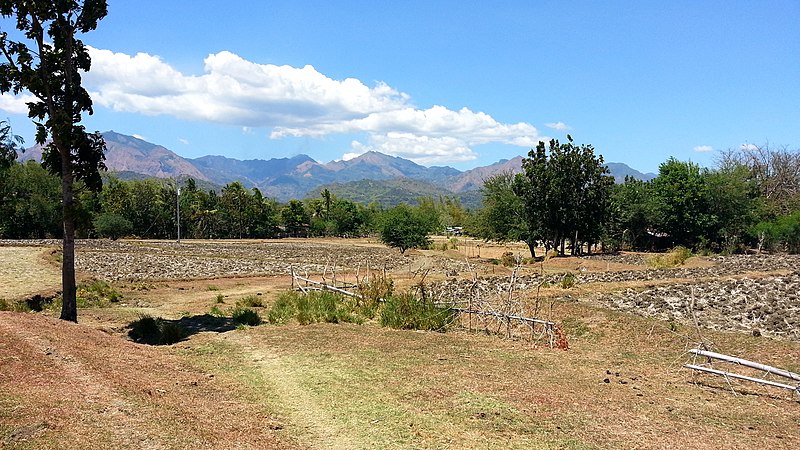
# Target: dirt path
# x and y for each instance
(24, 271)
(68, 386)
(310, 419)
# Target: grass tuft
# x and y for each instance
(251, 301)
(674, 258)
(156, 331)
(245, 316)
(409, 312)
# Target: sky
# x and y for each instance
(458, 83)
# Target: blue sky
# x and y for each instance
(456, 83)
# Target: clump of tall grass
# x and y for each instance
(251, 301)
(674, 258)
(245, 316)
(408, 312)
(313, 307)
(156, 331)
(97, 294)
(567, 281)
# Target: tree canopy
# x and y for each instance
(48, 63)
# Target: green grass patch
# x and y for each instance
(245, 316)
(251, 301)
(219, 298)
(409, 312)
(11, 305)
(97, 294)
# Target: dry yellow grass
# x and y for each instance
(25, 271)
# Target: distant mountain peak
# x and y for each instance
(293, 177)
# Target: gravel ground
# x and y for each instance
(749, 302)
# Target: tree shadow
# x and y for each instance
(157, 331)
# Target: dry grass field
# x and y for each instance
(345, 386)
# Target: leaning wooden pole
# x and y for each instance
(746, 363)
(743, 377)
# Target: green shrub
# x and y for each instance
(145, 330)
(567, 281)
(212, 287)
(409, 312)
(376, 290)
(251, 301)
(220, 298)
(156, 331)
(216, 312)
(10, 305)
(284, 309)
(508, 259)
(97, 294)
(245, 316)
(172, 332)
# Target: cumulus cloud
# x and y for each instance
(560, 126)
(297, 102)
(704, 148)
(15, 104)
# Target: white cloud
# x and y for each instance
(183, 141)
(750, 147)
(139, 136)
(420, 149)
(560, 126)
(15, 104)
(296, 102)
(704, 148)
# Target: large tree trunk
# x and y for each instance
(532, 247)
(69, 304)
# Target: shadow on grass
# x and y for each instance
(158, 331)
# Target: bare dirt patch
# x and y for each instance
(67, 386)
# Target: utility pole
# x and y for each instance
(178, 209)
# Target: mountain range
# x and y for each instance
(300, 176)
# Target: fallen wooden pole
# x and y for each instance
(746, 363)
(742, 377)
(504, 316)
(329, 287)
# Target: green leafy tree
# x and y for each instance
(48, 65)
(112, 225)
(632, 215)
(404, 227)
(294, 217)
(565, 189)
(10, 145)
(30, 206)
(681, 196)
(502, 217)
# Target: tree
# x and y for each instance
(294, 217)
(9, 145)
(681, 195)
(51, 71)
(404, 227)
(112, 225)
(502, 217)
(565, 189)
